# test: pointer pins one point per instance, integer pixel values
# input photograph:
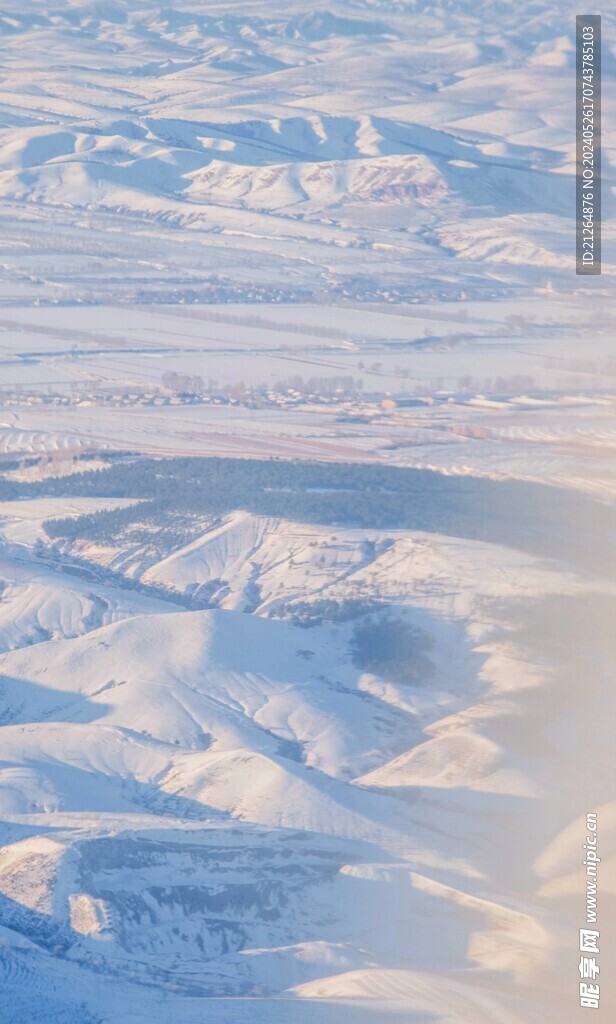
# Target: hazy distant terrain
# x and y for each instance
(357, 201)
(306, 514)
(276, 150)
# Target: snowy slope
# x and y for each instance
(351, 127)
(223, 814)
(215, 802)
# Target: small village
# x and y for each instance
(184, 390)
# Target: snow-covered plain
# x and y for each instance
(218, 814)
(223, 191)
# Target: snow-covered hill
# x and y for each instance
(224, 803)
(257, 770)
(350, 127)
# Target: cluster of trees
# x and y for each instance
(322, 385)
(183, 383)
(516, 384)
(288, 326)
(327, 493)
(367, 495)
(314, 613)
(147, 524)
(392, 648)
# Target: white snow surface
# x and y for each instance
(199, 806)
(219, 815)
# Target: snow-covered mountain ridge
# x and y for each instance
(225, 803)
(306, 517)
(353, 127)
